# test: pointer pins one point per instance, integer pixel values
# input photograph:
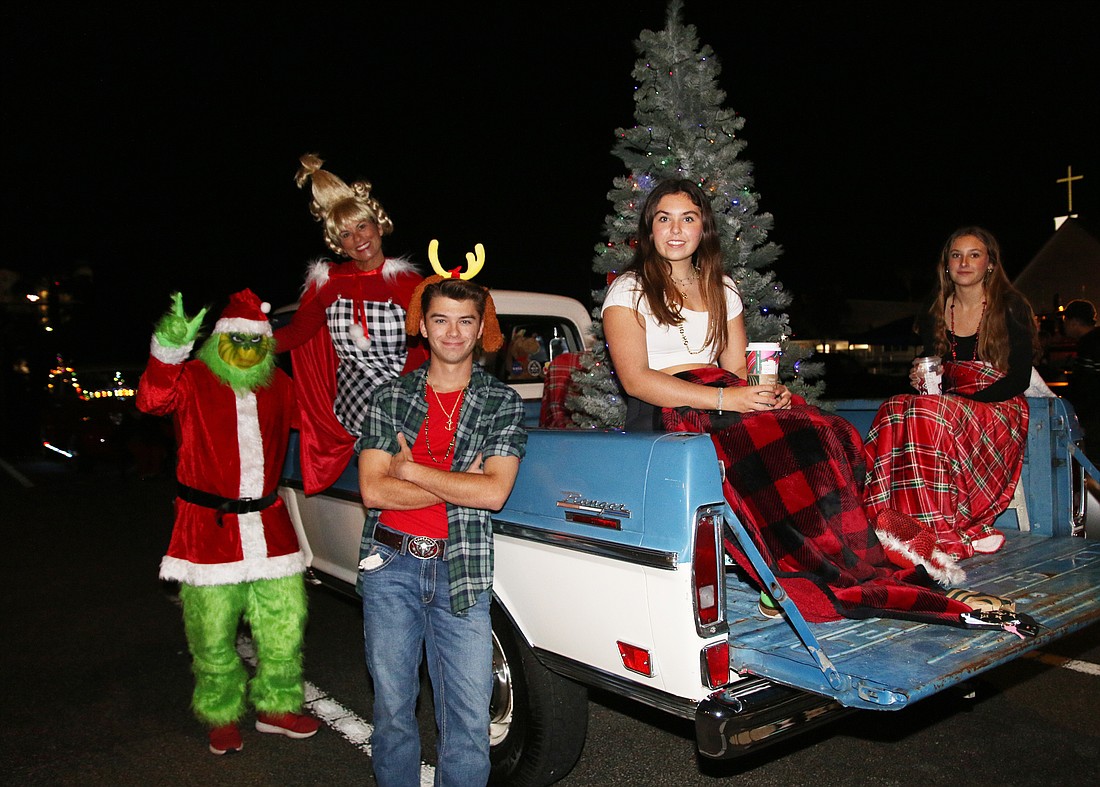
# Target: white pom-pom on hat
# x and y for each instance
(246, 313)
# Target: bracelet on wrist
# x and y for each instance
(720, 392)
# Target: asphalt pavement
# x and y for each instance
(96, 662)
(99, 681)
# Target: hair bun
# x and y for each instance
(311, 163)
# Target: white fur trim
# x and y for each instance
(241, 325)
(945, 570)
(395, 266)
(318, 271)
(317, 275)
(250, 448)
(176, 570)
(169, 355)
(253, 540)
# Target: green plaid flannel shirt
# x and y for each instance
(491, 424)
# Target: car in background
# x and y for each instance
(89, 418)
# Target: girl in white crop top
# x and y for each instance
(674, 309)
(664, 345)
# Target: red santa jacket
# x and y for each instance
(233, 447)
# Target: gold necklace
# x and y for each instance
(682, 283)
(684, 338)
(450, 423)
(450, 415)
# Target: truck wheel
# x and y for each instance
(538, 719)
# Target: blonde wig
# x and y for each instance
(336, 204)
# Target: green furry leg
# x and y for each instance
(210, 618)
(276, 611)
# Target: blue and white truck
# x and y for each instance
(610, 573)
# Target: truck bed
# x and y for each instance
(887, 664)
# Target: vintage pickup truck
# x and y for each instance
(610, 573)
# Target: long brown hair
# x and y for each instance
(655, 273)
(1001, 299)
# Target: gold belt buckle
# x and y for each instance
(423, 547)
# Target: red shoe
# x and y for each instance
(292, 725)
(225, 739)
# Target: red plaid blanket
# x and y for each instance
(557, 387)
(795, 480)
(949, 462)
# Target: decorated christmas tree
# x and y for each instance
(682, 130)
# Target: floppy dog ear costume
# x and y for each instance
(233, 548)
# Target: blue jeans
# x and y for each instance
(406, 606)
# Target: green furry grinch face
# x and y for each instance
(243, 350)
(241, 360)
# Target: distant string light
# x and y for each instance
(65, 376)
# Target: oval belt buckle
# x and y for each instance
(423, 547)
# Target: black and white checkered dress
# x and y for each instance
(359, 371)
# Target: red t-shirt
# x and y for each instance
(434, 446)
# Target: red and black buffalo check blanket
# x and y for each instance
(947, 461)
(795, 480)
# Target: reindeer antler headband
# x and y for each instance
(491, 337)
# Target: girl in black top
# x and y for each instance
(948, 464)
(977, 315)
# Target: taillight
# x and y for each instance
(707, 574)
(636, 659)
(715, 664)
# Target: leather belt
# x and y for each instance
(421, 547)
(225, 505)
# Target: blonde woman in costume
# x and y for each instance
(348, 334)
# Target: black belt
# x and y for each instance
(225, 505)
(421, 547)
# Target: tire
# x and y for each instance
(538, 719)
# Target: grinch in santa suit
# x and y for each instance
(233, 548)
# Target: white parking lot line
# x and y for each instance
(21, 479)
(1087, 667)
(347, 724)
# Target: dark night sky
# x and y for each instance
(156, 144)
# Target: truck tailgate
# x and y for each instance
(887, 664)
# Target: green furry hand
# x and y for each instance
(175, 329)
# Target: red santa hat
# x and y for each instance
(246, 313)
